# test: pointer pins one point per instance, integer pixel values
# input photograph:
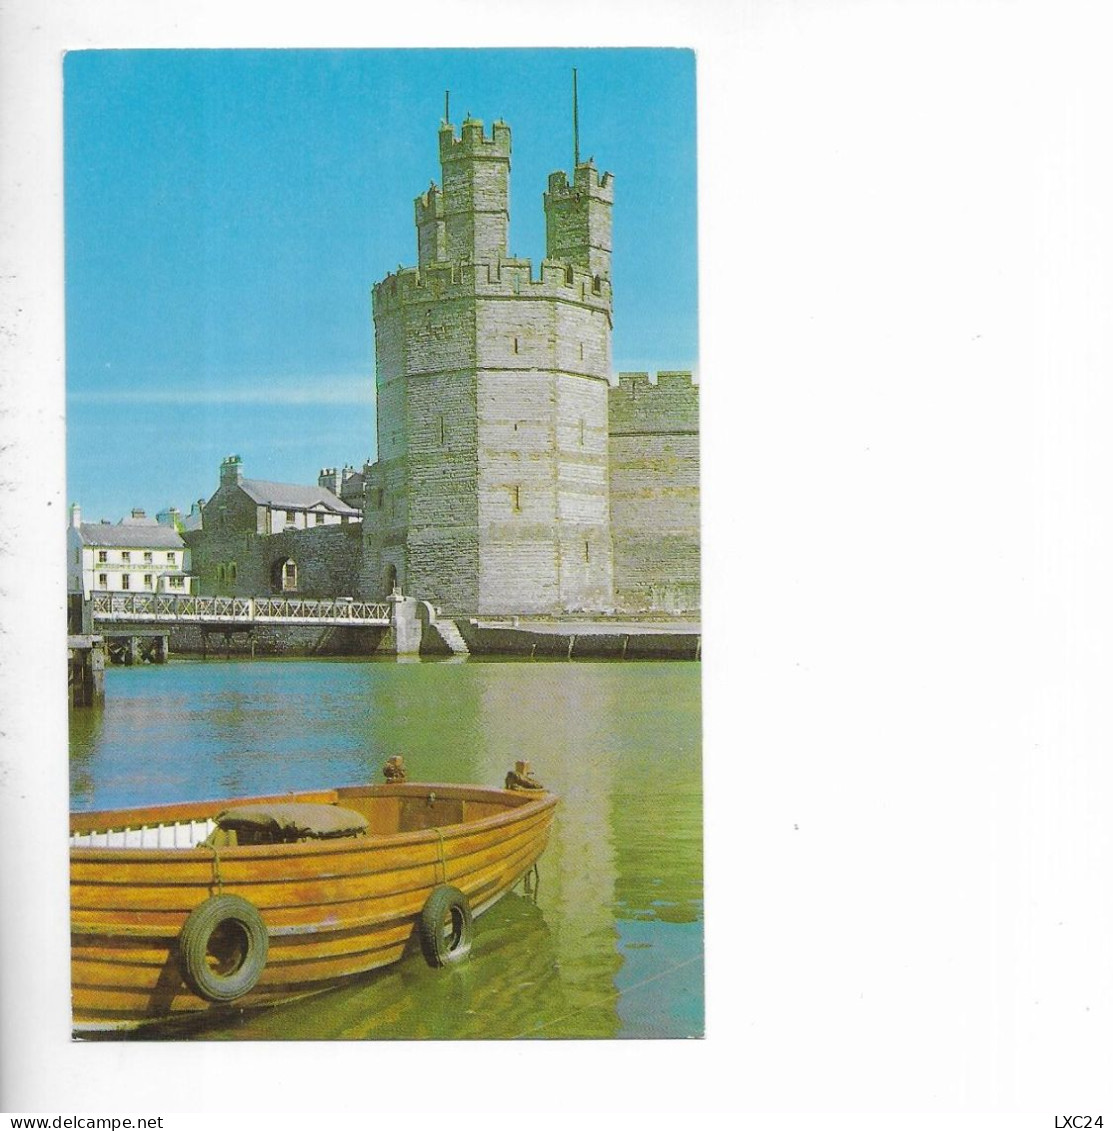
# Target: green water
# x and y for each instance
(611, 942)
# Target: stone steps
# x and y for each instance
(451, 636)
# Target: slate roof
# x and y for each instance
(131, 535)
(291, 496)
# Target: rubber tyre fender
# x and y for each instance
(446, 906)
(197, 932)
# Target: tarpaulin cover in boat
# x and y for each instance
(292, 820)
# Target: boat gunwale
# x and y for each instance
(536, 802)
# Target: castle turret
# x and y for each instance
(429, 218)
(489, 493)
(475, 173)
(578, 219)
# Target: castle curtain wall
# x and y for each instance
(654, 489)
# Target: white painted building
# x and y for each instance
(136, 555)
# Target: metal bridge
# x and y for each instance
(233, 612)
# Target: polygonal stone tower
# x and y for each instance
(490, 492)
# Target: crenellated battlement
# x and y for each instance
(473, 142)
(578, 218)
(667, 401)
(503, 278)
(429, 205)
(586, 181)
(667, 378)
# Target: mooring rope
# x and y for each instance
(440, 852)
(216, 866)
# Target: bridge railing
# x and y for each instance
(241, 610)
(290, 608)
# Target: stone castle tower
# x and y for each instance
(490, 493)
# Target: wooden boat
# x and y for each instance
(179, 909)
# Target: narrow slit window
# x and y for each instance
(516, 491)
(587, 551)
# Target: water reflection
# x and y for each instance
(612, 945)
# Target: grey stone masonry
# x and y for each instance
(238, 563)
(578, 219)
(490, 492)
(654, 484)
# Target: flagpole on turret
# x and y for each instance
(575, 124)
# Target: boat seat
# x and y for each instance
(283, 822)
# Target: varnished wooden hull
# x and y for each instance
(332, 909)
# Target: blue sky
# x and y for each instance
(227, 213)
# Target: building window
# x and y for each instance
(568, 276)
(596, 286)
(171, 558)
(126, 556)
(148, 581)
(102, 556)
(232, 572)
(220, 573)
(148, 557)
(516, 495)
(440, 428)
(77, 556)
(177, 583)
(102, 580)
(515, 345)
(587, 551)
(318, 519)
(582, 431)
(125, 581)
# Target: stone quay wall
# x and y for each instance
(283, 640)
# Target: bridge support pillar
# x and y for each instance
(405, 625)
(86, 671)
